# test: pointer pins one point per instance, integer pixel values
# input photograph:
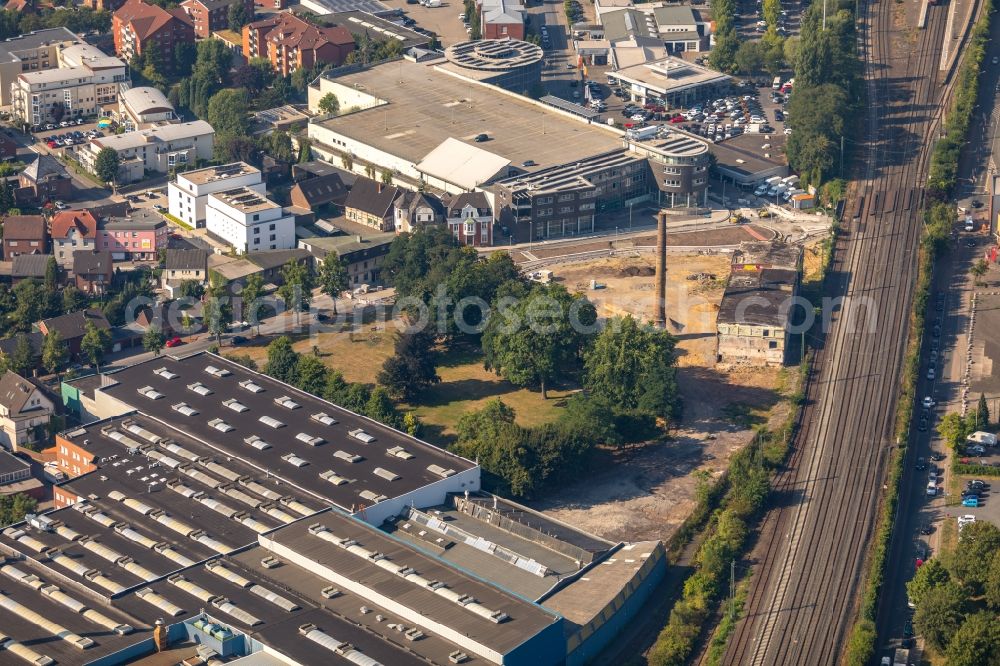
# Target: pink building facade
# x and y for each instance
(135, 238)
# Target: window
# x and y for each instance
(773, 344)
(256, 217)
(272, 237)
(271, 228)
(256, 230)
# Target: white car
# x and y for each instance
(61, 205)
(928, 402)
(996, 60)
(788, 130)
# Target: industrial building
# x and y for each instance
(671, 81)
(510, 64)
(252, 519)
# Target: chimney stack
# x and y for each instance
(660, 316)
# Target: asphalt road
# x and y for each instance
(809, 562)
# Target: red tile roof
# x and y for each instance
(145, 19)
(81, 220)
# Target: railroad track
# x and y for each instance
(811, 553)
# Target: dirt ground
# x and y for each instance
(627, 287)
(646, 493)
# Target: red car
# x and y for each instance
(678, 119)
(51, 144)
(174, 342)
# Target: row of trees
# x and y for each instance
(827, 91)
(80, 20)
(727, 42)
(957, 597)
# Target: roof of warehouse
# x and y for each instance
(525, 618)
(427, 105)
(40, 640)
(365, 473)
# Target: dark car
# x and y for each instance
(908, 629)
(937, 457)
(779, 114)
(238, 339)
(926, 529)
(921, 464)
(482, 137)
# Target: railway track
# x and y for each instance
(811, 554)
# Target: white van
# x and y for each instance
(776, 190)
(776, 84)
(983, 438)
(931, 488)
(790, 180)
(761, 190)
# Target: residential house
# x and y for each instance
(138, 236)
(290, 43)
(85, 80)
(187, 196)
(183, 266)
(370, 203)
(211, 15)
(8, 148)
(363, 256)
(470, 219)
(8, 346)
(73, 326)
(29, 267)
(154, 150)
(72, 230)
(24, 411)
(24, 234)
(139, 28)
(267, 264)
(412, 210)
(103, 5)
(45, 179)
(249, 221)
(93, 271)
(315, 193)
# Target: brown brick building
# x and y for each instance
(138, 27)
(291, 43)
(24, 234)
(211, 15)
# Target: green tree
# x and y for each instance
(380, 407)
(329, 104)
(930, 575)
(282, 360)
(22, 360)
(623, 358)
(191, 289)
(977, 544)
(94, 344)
(54, 352)
(107, 164)
(153, 340)
(238, 17)
(333, 277)
(939, 614)
(772, 12)
(253, 289)
(297, 286)
(228, 112)
(246, 360)
(218, 315)
(491, 437)
(310, 374)
(976, 643)
(13, 508)
(749, 58)
(539, 338)
(978, 270)
(51, 274)
(305, 150)
(953, 429)
(411, 369)
(386, 177)
(991, 588)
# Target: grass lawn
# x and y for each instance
(466, 387)
(359, 357)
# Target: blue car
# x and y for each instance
(971, 501)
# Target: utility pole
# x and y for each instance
(841, 155)
(732, 590)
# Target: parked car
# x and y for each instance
(970, 502)
(238, 339)
(174, 342)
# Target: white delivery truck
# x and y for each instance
(776, 190)
(753, 128)
(761, 189)
(982, 438)
(643, 133)
(791, 193)
(790, 180)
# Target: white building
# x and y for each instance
(141, 106)
(156, 150)
(187, 197)
(249, 221)
(85, 80)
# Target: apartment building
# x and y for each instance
(412, 210)
(23, 411)
(211, 15)
(249, 221)
(138, 236)
(84, 80)
(154, 150)
(24, 234)
(291, 43)
(371, 203)
(187, 196)
(30, 52)
(139, 27)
